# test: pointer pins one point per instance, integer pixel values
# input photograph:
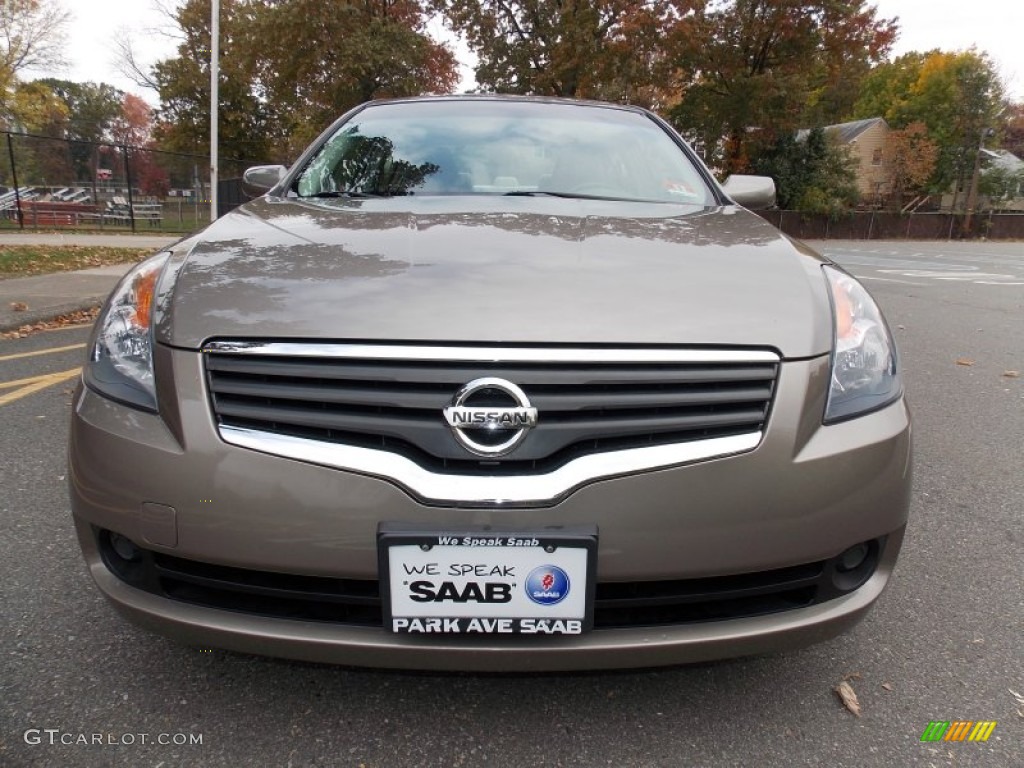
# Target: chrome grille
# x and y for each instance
(392, 398)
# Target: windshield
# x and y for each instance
(493, 147)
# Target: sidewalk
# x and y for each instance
(61, 292)
(101, 241)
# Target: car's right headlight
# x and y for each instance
(865, 373)
(120, 362)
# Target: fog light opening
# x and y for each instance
(852, 558)
(123, 557)
(854, 566)
(125, 548)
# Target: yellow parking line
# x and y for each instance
(41, 352)
(34, 384)
(23, 382)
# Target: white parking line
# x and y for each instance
(889, 280)
(947, 275)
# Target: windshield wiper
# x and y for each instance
(574, 196)
(544, 193)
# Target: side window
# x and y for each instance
(319, 174)
(354, 163)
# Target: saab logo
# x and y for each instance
(488, 592)
(958, 730)
(547, 585)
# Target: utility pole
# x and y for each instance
(14, 174)
(972, 193)
(214, 97)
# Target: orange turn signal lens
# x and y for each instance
(144, 287)
(844, 310)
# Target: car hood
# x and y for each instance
(496, 269)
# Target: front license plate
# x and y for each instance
(472, 582)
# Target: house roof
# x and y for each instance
(1002, 158)
(845, 132)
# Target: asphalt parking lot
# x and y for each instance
(944, 643)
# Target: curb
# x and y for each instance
(12, 321)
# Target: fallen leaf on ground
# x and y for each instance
(964, 361)
(71, 319)
(887, 686)
(852, 676)
(19, 306)
(1011, 374)
(24, 260)
(848, 697)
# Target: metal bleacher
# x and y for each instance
(119, 211)
(8, 200)
(72, 206)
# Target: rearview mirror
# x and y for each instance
(754, 192)
(260, 179)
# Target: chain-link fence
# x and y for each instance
(51, 183)
(883, 225)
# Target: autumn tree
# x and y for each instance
(90, 110)
(92, 107)
(812, 173)
(37, 111)
(958, 96)
(183, 84)
(331, 55)
(133, 127)
(31, 37)
(752, 70)
(150, 174)
(290, 67)
(910, 157)
(133, 130)
(576, 48)
(885, 90)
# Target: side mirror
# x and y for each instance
(260, 179)
(754, 192)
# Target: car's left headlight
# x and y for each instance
(865, 373)
(121, 352)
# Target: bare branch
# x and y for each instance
(128, 63)
(32, 35)
(170, 27)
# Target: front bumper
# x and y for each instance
(805, 494)
(600, 649)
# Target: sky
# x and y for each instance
(995, 26)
